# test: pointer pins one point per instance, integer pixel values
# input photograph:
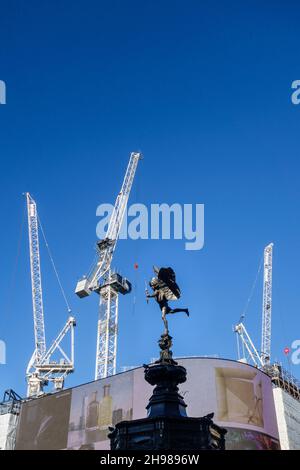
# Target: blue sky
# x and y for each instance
(203, 89)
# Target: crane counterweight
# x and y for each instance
(82, 288)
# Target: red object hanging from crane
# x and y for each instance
(136, 266)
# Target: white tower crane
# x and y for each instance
(261, 360)
(108, 284)
(42, 368)
(267, 306)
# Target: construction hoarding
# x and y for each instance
(239, 395)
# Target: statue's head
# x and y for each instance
(154, 283)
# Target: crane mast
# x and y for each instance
(109, 284)
(36, 279)
(107, 330)
(42, 368)
(267, 306)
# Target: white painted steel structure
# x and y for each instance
(260, 359)
(267, 306)
(42, 368)
(107, 284)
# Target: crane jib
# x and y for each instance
(105, 248)
(107, 284)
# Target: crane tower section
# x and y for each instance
(267, 306)
(107, 331)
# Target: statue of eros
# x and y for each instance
(164, 289)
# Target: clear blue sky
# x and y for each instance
(203, 89)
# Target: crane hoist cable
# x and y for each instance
(281, 318)
(54, 267)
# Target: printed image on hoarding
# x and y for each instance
(44, 422)
(245, 439)
(240, 396)
(95, 407)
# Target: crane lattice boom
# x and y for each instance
(106, 247)
(102, 280)
(36, 279)
(250, 352)
(267, 306)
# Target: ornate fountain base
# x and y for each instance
(167, 426)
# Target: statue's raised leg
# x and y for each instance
(177, 310)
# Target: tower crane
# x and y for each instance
(109, 284)
(42, 368)
(262, 359)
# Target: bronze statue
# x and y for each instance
(164, 289)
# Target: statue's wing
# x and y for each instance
(172, 290)
(156, 269)
(170, 294)
(164, 273)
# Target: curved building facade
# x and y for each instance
(240, 396)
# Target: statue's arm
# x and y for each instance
(149, 296)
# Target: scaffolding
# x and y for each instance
(281, 378)
(9, 417)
